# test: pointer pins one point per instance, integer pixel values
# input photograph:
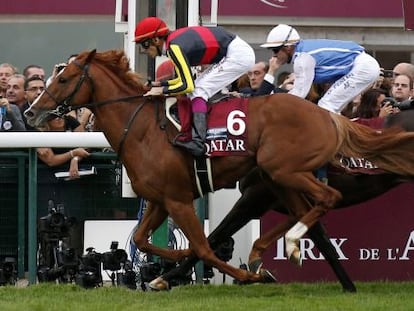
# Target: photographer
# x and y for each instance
(374, 107)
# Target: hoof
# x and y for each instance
(255, 265)
(267, 276)
(158, 284)
(296, 258)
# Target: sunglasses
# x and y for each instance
(276, 49)
(146, 44)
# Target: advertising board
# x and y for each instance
(374, 241)
(307, 8)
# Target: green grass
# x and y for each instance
(320, 296)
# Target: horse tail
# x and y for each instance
(391, 149)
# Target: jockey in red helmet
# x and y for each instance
(229, 56)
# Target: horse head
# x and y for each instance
(74, 86)
(69, 88)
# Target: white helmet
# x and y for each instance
(281, 35)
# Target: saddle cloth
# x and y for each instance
(226, 125)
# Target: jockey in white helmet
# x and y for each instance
(344, 64)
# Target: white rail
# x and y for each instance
(53, 139)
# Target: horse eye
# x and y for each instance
(62, 80)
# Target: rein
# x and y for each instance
(128, 125)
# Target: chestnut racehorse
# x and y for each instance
(288, 138)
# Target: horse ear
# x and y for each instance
(91, 55)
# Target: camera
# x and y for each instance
(388, 73)
(116, 261)
(56, 260)
(90, 275)
(92, 263)
(404, 105)
(8, 271)
(390, 100)
(64, 267)
(115, 258)
(55, 225)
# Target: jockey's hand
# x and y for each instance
(274, 65)
(154, 91)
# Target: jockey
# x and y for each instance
(229, 56)
(344, 64)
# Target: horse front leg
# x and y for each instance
(153, 217)
(255, 195)
(184, 216)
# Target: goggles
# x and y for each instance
(146, 44)
(276, 49)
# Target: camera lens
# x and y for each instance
(390, 100)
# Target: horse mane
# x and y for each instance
(118, 63)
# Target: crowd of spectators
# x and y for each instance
(19, 91)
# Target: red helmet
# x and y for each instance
(150, 27)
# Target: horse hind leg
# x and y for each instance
(297, 186)
(294, 234)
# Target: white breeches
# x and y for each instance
(364, 72)
(239, 59)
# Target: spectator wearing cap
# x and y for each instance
(342, 63)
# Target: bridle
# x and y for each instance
(64, 106)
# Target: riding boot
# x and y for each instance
(197, 145)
